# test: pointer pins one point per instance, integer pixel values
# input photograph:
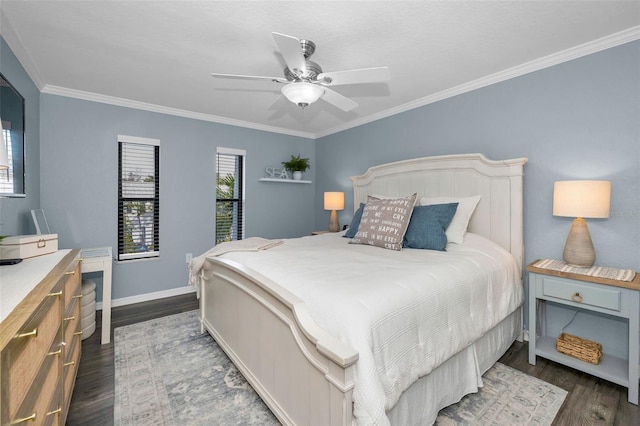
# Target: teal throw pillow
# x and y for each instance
(355, 223)
(428, 225)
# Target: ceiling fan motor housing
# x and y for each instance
(308, 47)
(312, 72)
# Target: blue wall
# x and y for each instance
(79, 184)
(576, 120)
(15, 216)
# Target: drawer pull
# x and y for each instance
(31, 418)
(59, 410)
(77, 296)
(32, 333)
(78, 333)
(69, 318)
(577, 297)
(58, 352)
(70, 272)
(67, 364)
(41, 243)
(57, 293)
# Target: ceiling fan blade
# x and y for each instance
(364, 75)
(249, 77)
(337, 100)
(291, 51)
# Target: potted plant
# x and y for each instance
(296, 165)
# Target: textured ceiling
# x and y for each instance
(158, 55)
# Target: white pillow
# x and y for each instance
(466, 206)
(387, 197)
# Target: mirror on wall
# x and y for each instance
(12, 116)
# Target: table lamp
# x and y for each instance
(581, 199)
(334, 201)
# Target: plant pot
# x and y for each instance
(297, 175)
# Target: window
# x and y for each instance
(229, 194)
(138, 197)
(12, 141)
(6, 175)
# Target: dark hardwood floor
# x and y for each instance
(92, 400)
(590, 401)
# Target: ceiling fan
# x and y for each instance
(304, 80)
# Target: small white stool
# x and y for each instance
(88, 308)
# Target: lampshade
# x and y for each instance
(582, 198)
(4, 158)
(302, 94)
(334, 200)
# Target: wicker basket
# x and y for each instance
(577, 347)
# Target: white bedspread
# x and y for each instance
(405, 312)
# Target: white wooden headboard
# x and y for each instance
(499, 212)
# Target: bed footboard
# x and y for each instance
(302, 373)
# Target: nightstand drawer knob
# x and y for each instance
(577, 297)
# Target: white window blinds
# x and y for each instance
(229, 194)
(138, 198)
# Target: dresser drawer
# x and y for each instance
(69, 372)
(582, 293)
(42, 397)
(53, 415)
(72, 284)
(72, 328)
(27, 351)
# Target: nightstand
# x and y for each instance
(587, 294)
(320, 232)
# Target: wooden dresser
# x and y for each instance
(40, 340)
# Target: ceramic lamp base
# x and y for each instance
(578, 250)
(334, 225)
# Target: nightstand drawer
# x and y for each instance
(585, 294)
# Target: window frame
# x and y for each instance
(124, 139)
(241, 198)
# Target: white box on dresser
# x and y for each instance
(28, 246)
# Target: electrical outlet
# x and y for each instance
(189, 257)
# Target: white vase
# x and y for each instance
(297, 175)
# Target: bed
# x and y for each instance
(305, 321)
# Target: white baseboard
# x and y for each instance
(149, 296)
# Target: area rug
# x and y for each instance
(167, 373)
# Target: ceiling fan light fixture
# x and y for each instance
(302, 94)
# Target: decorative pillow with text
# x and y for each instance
(384, 222)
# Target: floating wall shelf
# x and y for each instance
(283, 180)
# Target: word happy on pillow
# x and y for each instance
(384, 222)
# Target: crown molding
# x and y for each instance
(128, 103)
(13, 40)
(613, 40)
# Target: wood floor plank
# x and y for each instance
(589, 405)
(590, 401)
